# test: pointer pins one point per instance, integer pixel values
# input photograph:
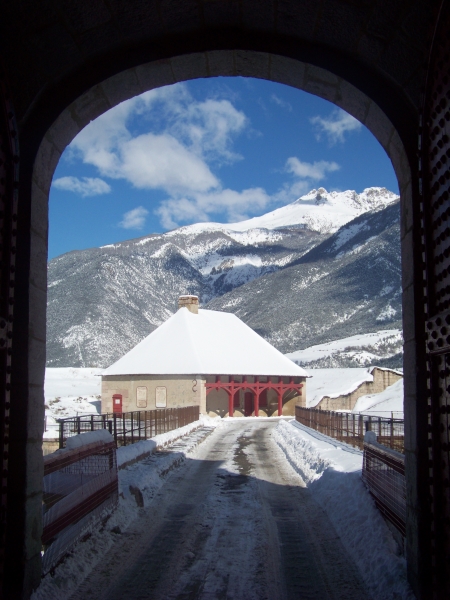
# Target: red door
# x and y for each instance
(117, 403)
(248, 404)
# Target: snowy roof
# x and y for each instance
(207, 343)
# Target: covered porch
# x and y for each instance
(247, 394)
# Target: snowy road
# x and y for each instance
(234, 522)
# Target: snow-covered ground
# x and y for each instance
(366, 349)
(70, 392)
(332, 470)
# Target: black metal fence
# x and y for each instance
(384, 474)
(350, 428)
(129, 427)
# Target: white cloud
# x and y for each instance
(305, 170)
(236, 205)
(86, 186)
(335, 126)
(274, 98)
(174, 157)
(134, 219)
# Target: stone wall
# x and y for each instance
(181, 390)
(382, 378)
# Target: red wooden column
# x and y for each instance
(231, 397)
(257, 396)
(280, 396)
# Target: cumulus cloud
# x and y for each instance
(134, 219)
(86, 186)
(316, 170)
(335, 126)
(282, 103)
(174, 158)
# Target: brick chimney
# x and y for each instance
(190, 302)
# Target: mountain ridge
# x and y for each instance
(102, 301)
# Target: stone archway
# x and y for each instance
(69, 65)
(127, 84)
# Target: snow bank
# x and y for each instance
(83, 439)
(332, 470)
(138, 485)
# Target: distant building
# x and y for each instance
(205, 358)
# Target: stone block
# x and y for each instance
(378, 123)
(36, 361)
(408, 305)
(89, 106)
(409, 368)
(38, 261)
(37, 325)
(251, 64)
(409, 269)
(406, 208)
(36, 413)
(45, 164)
(220, 63)
(155, 74)
(410, 415)
(63, 130)
(35, 470)
(122, 86)
(398, 156)
(39, 211)
(33, 522)
(321, 83)
(352, 100)
(189, 66)
(287, 70)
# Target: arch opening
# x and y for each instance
(127, 84)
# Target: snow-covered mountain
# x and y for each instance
(102, 301)
(322, 211)
(349, 284)
(318, 210)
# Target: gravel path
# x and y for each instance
(233, 522)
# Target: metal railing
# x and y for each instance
(384, 474)
(80, 485)
(129, 427)
(350, 427)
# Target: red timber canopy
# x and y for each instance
(257, 387)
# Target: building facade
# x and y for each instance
(207, 359)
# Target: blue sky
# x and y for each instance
(222, 149)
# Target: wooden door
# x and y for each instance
(117, 403)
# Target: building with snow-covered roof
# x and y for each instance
(205, 358)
